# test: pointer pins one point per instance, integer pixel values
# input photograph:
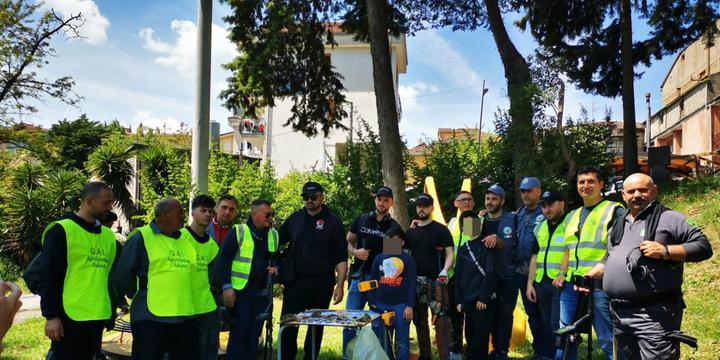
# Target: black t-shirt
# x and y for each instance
(423, 242)
(370, 235)
(489, 227)
(535, 246)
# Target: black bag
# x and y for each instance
(32, 275)
(286, 266)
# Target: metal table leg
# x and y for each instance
(312, 348)
(279, 341)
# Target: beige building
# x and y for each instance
(689, 121)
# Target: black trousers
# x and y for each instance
(477, 330)
(81, 340)
(504, 303)
(304, 294)
(640, 331)
(152, 340)
(456, 320)
(422, 328)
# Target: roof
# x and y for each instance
(418, 150)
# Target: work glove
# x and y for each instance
(443, 277)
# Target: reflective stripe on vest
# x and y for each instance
(241, 264)
(203, 300)
(552, 249)
(457, 241)
(171, 263)
(90, 256)
(591, 247)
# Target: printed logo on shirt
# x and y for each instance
(642, 233)
(374, 232)
(320, 224)
(507, 231)
(559, 239)
(392, 267)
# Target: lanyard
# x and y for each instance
(474, 259)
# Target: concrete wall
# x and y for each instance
(690, 67)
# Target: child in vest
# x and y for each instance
(475, 282)
(396, 274)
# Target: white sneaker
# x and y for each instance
(455, 356)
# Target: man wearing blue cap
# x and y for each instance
(528, 217)
(498, 227)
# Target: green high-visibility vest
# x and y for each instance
(552, 249)
(203, 300)
(458, 240)
(170, 273)
(587, 250)
(241, 264)
(90, 257)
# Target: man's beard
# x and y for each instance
(423, 217)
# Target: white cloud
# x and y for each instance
(408, 95)
(181, 54)
(149, 121)
(95, 25)
(447, 60)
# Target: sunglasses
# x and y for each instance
(270, 215)
(309, 197)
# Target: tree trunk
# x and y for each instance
(630, 152)
(570, 174)
(391, 147)
(517, 74)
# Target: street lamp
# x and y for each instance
(482, 103)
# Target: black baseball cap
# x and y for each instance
(384, 191)
(424, 200)
(550, 196)
(311, 187)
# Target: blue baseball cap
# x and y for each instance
(529, 183)
(496, 189)
(424, 200)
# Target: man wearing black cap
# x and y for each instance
(364, 242)
(316, 251)
(548, 266)
(431, 245)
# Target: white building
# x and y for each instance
(289, 150)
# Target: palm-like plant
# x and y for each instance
(110, 163)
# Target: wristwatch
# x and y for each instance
(665, 253)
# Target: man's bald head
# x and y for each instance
(639, 191)
(169, 215)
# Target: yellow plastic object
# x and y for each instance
(518, 330)
(368, 285)
(430, 189)
(388, 318)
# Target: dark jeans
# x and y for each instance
(477, 330)
(504, 305)
(246, 328)
(152, 340)
(456, 320)
(548, 303)
(209, 335)
(304, 294)
(81, 340)
(640, 332)
(422, 328)
(532, 310)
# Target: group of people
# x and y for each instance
(182, 279)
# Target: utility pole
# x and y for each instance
(482, 103)
(201, 126)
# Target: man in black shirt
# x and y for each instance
(431, 245)
(364, 242)
(316, 251)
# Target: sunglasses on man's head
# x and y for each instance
(310, 197)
